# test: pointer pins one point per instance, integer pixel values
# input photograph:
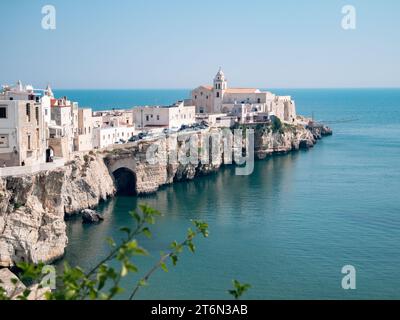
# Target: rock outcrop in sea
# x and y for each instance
(91, 216)
(33, 207)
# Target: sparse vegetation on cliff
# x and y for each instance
(276, 125)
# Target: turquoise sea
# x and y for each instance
(288, 228)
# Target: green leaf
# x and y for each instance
(142, 283)
(136, 216)
(146, 232)
(164, 266)
(191, 247)
(126, 230)
(239, 289)
(124, 271)
(174, 259)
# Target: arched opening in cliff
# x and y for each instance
(125, 181)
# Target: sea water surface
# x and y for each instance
(287, 229)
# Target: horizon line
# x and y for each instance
(270, 88)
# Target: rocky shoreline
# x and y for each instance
(33, 207)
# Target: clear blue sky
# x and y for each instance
(180, 44)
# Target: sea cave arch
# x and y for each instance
(125, 181)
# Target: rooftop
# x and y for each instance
(242, 90)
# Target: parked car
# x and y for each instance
(133, 139)
(204, 123)
(141, 135)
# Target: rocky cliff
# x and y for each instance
(33, 207)
(166, 169)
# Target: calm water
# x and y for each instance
(289, 227)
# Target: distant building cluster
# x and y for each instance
(243, 105)
(36, 127)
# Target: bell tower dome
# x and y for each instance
(220, 82)
(220, 85)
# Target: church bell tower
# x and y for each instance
(220, 85)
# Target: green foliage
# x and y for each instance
(3, 295)
(18, 205)
(103, 280)
(238, 289)
(276, 125)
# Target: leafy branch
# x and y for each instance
(103, 281)
(176, 249)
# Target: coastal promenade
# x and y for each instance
(27, 170)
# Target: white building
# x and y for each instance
(219, 98)
(118, 118)
(22, 127)
(83, 139)
(107, 135)
(173, 116)
(63, 127)
(46, 99)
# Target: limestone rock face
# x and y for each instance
(32, 208)
(13, 290)
(6, 282)
(37, 293)
(291, 137)
(168, 162)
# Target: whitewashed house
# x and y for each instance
(22, 127)
(107, 135)
(173, 116)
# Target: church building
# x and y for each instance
(220, 98)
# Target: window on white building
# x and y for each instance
(3, 112)
(158, 117)
(28, 112)
(4, 141)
